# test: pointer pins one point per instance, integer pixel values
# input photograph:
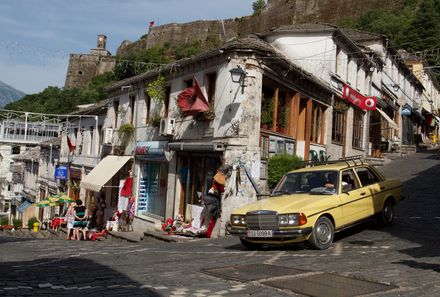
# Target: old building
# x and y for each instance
(177, 151)
(83, 67)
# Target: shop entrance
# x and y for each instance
(196, 176)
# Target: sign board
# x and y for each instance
(151, 147)
(356, 98)
(61, 172)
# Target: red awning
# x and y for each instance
(192, 101)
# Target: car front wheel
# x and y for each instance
(386, 216)
(322, 234)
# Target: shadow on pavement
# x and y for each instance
(417, 217)
(66, 277)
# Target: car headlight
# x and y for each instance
(238, 220)
(292, 219)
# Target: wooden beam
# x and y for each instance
(295, 115)
(275, 109)
(308, 127)
(323, 125)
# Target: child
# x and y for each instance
(70, 218)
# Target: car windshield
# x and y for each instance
(314, 182)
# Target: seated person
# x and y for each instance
(330, 183)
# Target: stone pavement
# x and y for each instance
(405, 255)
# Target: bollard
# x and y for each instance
(35, 227)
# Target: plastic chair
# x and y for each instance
(313, 155)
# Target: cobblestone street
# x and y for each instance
(406, 255)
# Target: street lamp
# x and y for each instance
(237, 74)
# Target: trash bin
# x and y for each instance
(35, 227)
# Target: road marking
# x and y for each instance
(274, 258)
(337, 249)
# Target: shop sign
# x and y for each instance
(61, 172)
(361, 101)
(406, 110)
(145, 148)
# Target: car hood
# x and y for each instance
(291, 204)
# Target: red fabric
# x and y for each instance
(192, 101)
(70, 145)
(354, 97)
(210, 227)
(151, 24)
(127, 187)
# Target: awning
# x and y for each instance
(103, 172)
(23, 206)
(388, 119)
(196, 146)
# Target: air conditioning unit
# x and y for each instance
(167, 126)
(108, 135)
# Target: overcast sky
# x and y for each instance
(37, 36)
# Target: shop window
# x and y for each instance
(282, 112)
(152, 189)
(358, 128)
(316, 131)
(210, 86)
(338, 127)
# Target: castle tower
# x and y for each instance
(102, 41)
(100, 49)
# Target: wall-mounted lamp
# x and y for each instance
(237, 74)
(395, 87)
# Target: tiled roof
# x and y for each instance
(93, 109)
(33, 154)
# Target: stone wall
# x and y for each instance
(83, 67)
(277, 13)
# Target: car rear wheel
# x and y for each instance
(386, 216)
(250, 245)
(322, 234)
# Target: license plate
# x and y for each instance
(259, 233)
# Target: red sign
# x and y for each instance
(354, 97)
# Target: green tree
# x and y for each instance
(258, 6)
(279, 165)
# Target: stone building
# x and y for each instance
(83, 67)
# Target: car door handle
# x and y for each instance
(362, 194)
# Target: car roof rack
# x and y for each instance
(350, 161)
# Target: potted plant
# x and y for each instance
(208, 115)
(267, 114)
(155, 120)
(156, 89)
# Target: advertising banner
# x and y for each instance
(361, 101)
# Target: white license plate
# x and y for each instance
(259, 233)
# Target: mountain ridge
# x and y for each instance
(9, 94)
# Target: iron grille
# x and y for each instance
(262, 220)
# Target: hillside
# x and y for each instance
(9, 94)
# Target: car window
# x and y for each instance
(366, 176)
(308, 182)
(349, 182)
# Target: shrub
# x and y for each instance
(17, 223)
(279, 165)
(31, 222)
(4, 221)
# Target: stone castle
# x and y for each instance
(276, 13)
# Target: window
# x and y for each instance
(349, 182)
(15, 150)
(366, 176)
(132, 101)
(358, 127)
(116, 109)
(147, 108)
(338, 65)
(317, 124)
(187, 83)
(210, 86)
(338, 127)
(167, 100)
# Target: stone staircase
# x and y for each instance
(387, 157)
(29, 234)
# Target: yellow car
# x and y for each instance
(312, 203)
